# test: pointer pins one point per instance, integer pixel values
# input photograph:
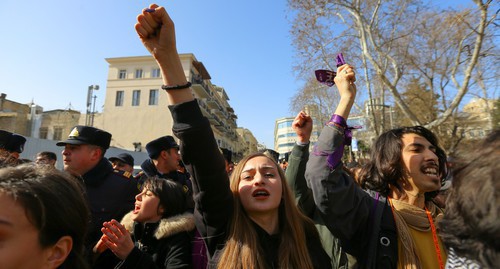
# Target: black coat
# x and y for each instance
(165, 244)
(110, 195)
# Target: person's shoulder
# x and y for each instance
(123, 174)
(141, 175)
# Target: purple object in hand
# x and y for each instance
(150, 10)
(326, 76)
(340, 59)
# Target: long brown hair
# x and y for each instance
(242, 249)
(384, 168)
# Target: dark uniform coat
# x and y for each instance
(164, 244)
(110, 195)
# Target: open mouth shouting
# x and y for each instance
(260, 194)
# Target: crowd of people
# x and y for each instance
(191, 207)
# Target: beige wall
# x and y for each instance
(143, 123)
(249, 143)
(58, 119)
(14, 116)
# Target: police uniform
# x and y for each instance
(110, 194)
(124, 158)
(154, 148)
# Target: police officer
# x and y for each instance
(163, 162)
(11, 146)
(110, 195)
(123, 162)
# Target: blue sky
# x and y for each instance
(52, 51)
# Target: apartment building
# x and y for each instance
(249, 144)
(285, 137)
(477, 118)
(135, 107)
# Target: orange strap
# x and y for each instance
(434, 236)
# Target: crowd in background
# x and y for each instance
(192, 207)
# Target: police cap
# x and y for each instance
(81, 135)
(124, 157)
(158, 145)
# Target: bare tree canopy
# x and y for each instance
(396, 45)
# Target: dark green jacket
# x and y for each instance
(295, 177)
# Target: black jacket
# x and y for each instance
(110, 195)
(165, 244)
(212, 195)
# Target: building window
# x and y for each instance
(285, 124)
(287, 135)
(138, 73)
(42, 132)
(155, 73)
(122, 74)
(57, 133)
(153, 97)
(119, 98)
(286, 145)
(136, 97)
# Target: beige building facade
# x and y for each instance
(477, 118)
(14, 117)
(57, 124)
(249, 142)
(136, 108)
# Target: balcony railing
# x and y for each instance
(200, 88)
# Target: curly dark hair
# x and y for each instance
(471, 222)
(384, 168)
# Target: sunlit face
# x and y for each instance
(421, 164)
(146, 207)
(79, 159)
(19, 243)
(260, 188)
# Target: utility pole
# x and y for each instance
(89, 116)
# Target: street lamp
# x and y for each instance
(89, 117)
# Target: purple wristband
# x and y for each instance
(338, 120)
(333, 159)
